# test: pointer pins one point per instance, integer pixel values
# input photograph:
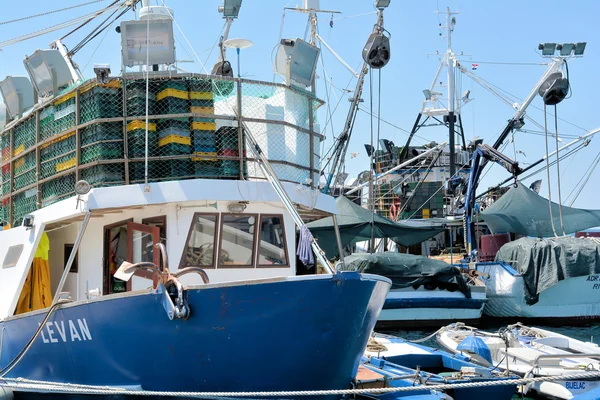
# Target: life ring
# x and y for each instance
(394, 208)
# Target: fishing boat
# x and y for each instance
(529, 352)
(403, 363)
(166, 211)
(425, 292)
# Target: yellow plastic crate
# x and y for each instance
(202, 95)
(139, 124)
(202, 110)
(426, 213)
(204, 126)
(204, 157)
(115, 84)
(58, 139)
(180, 94)
(64, 98)
(19, 150)
(66, 164)
(186, 140)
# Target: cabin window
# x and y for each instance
(12, 256)
(201, 242)
(237, 240)
(271, 246)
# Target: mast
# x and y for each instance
(450, 61)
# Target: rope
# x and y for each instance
(103, 390)
(560, 208)
(548, 171)
(50, 12)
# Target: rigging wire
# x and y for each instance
(50, 12)
(87, 22)
(371, 167)
(55, 27)
(588, 173)
(94, 33)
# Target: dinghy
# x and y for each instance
(528, 352)
(408, 364)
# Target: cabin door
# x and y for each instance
(141, 240)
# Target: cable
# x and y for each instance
(587, 175)
(50, 12)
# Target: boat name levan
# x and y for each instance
(66, 331)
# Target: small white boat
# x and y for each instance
(528, 352)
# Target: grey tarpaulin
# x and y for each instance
(522, 211)
(406, 270)
(545, 262)
(354, 222)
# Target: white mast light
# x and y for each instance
(48, 71)
(547, 49)
(566, 49)
(580, 48)
(296, 60)
(160, 43)
(381, 4)
(18, 95)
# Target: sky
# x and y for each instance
(500, 36)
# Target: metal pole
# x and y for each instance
(63, 278)
(338, 238)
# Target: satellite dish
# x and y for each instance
(82, 187)
(237, 43)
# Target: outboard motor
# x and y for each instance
(554, 89)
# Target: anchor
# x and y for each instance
(174, 298)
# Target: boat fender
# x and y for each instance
(476, 346)
(394, 208)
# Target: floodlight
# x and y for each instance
(566, 49)
(18, 95)
(48, 71)
(547, 49)
(230, 8)
(382, 3)
(160, 44)
(580, 48)
(297, 61)
(427, 94)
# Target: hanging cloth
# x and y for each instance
(304, 251)
(36, 293)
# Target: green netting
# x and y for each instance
(100, 102)
(104, 175)
(24, 203)
(25, 171)
(24, 136)
(58, 155)
(57, 189)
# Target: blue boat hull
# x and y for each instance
(256, 336)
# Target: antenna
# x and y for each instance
(238, 44)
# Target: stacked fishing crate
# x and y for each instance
(174, 141)
(136, 129)
(24, 168)
(101, 142)
(426, 200)
(5, 177)
(203, 127)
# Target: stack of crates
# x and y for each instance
(5, 190)
(25, 171)
(58, 117)
(204, 140)
(136, 99)
(5, 156)
(57, 189)
(100, 101)
(24, 136)
(24, 203)
(57, 155)
(172, 97)
(104, 174)
(101, 141)
(227, 144)
(136, 139)
(5, 211)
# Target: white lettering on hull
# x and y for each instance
(56, 331)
